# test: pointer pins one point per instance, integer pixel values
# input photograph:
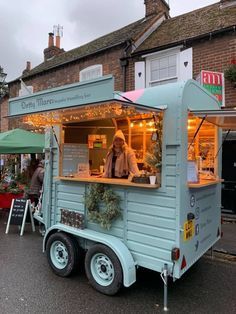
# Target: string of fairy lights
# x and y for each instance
(92, 112)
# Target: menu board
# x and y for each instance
(75, 160)
(97, 141)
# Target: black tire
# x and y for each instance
(103, 269)
(62, 254)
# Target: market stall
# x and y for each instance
(16, 141)
(125, 223)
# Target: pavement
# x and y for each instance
(227, 244)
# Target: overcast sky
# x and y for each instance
(25, 24)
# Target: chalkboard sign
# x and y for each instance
(18, 212)
(75, 160)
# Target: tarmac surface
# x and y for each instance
(27, 284)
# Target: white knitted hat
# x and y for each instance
(119, 134)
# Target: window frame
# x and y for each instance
(90, 69)
(157, 56)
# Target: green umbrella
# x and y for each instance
(19, 141)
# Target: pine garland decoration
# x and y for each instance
(98, 195)
(153, 157)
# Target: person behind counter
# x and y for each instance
(120, 159)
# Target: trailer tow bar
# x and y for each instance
(164, 277)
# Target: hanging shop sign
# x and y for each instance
(214, 83)
(63, 97)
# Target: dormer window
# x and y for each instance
(91, 72)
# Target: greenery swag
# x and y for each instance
(230, 73)
(98, 195)
(153, 157)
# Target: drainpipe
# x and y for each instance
(124, 62)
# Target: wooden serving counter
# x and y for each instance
(202, 183)
(123, 182)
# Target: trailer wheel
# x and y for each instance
(62, 254)
(103, 269)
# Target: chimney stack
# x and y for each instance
(155, 7)
(27, 69)
(53, 50)
(28, 65)
(228, 2)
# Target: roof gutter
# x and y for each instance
(186, 41)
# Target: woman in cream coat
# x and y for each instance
(120, 159)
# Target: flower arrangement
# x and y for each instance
(13, 188)
(230, 72)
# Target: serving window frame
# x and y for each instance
(69, 116)
(220, 119)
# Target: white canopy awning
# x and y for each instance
(225, 119)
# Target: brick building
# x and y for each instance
(105, 55)
(201, 39)
(204, 39)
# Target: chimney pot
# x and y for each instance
(58, 41)
(50, 40)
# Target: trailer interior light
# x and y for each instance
(175, 254)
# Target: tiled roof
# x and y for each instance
(190, 25)
(129, 32)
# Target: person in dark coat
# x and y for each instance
(36, 183)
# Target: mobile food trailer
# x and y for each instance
(165, 227)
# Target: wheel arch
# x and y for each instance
(115, 244)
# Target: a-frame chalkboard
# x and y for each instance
(18, 213)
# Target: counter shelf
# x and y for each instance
(123, 182)
(204, 183)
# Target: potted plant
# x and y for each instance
(230, 73)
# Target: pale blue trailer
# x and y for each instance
(153, 225)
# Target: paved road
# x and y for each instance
(27, 285)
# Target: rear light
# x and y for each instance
(175, 254)
(183, 264)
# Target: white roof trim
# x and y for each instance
(148, 32)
